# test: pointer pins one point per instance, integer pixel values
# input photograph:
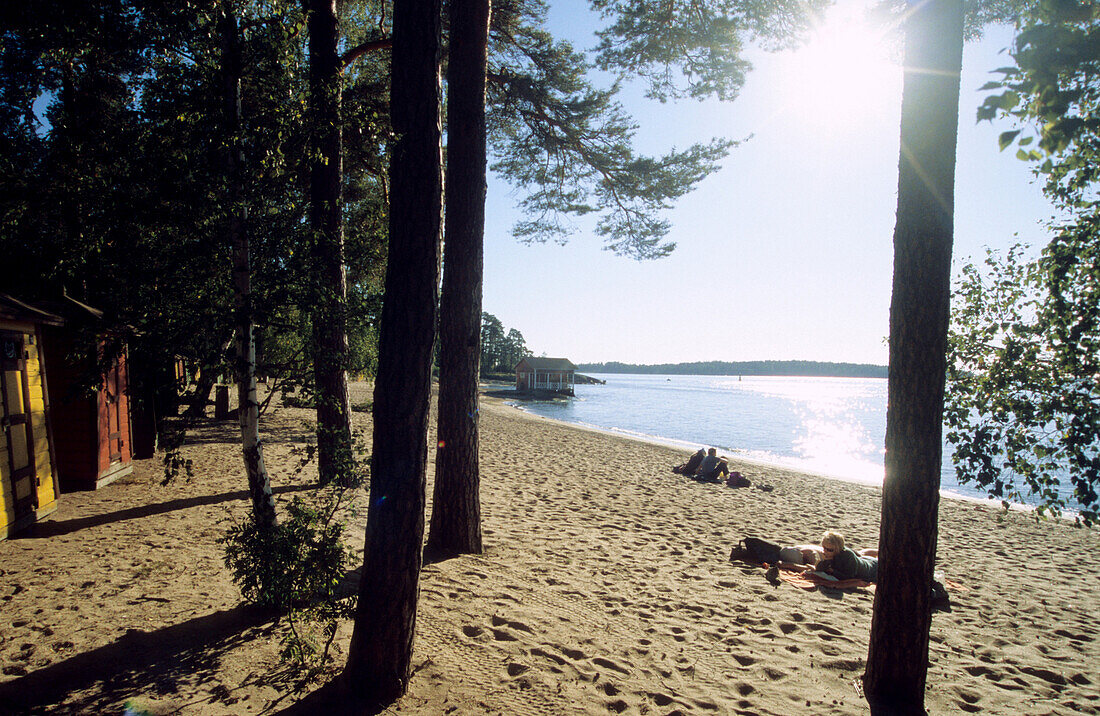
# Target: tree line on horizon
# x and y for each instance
(823, 369)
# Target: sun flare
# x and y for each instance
(847, 72)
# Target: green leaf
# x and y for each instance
(1006, 138)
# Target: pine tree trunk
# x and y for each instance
(456, 507)
(380, 655)
(897, 661)
(259, 486)
(330, 338)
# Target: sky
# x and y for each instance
(784, 253)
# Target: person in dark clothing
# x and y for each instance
(844, 563)
(689, 467)
(712, 467)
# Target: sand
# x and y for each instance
(605, 587)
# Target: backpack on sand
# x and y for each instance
(752, 549)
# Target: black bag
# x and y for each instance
(756, 550)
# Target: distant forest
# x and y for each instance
(756, 367)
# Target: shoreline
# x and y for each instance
(990, 502)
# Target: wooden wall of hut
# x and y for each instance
(28, 480)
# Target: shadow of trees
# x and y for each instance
(53, 528)
(139, 663)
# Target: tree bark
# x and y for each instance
(897, 661)
(380, 655)
(330, 337)
(259, 486)
(456, 505)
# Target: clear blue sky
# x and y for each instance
(784, 253)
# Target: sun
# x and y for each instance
(848, 73)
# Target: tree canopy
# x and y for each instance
(1024, 388)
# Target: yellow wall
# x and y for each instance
(47, 484)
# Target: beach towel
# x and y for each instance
(810, 580)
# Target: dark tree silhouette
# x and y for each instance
(456, 515)
(330, 336)
(897, 661)
(380, 655)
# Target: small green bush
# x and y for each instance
(297, 567)
(293, 563)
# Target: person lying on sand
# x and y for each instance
(801, 554)
(844, 563)
(795, 557)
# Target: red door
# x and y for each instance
(113, 417)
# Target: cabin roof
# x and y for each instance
(547, 363)
(12, 309)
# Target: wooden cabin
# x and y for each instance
(557, 375)
(94, 444)
(29, 485)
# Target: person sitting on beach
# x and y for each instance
(711, 467)
(689, 467)
(844, 563)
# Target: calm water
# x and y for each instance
(830, 426)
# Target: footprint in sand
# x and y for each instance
(609, 664)
(548, 655)
(1045, 675)
(504, 635)
(515, 669)
(574, 654)
(825, 628)
(472, 630)
(660, 699)
(1071, 636)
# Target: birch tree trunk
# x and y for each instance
(259, 486)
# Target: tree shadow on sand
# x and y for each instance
(139, 663)
(53, 528)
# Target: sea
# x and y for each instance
(834, 427)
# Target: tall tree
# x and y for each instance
(380, 655)
(569, 141)
(330, 335)
(516, 348)
(897, 660)
(259, 485)
(1024, 386)
(492, 342)
(456, 515)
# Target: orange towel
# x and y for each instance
(809, 581)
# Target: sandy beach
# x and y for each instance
(605, 587)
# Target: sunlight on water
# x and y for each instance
(830, 426)
(839, 447)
